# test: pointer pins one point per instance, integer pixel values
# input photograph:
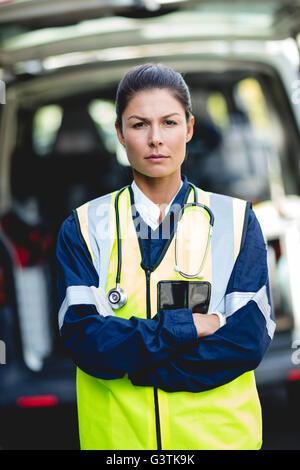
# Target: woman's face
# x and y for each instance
(155, 132)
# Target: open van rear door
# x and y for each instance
(35, 14)
(188, 20)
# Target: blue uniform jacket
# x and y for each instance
(164, 351)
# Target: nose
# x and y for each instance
(155, 137)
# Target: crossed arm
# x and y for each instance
(175, 350)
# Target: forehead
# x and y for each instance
(156, 101)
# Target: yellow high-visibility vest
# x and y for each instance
(117, 415)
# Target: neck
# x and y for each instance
(159, 190)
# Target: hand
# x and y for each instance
(206, 324)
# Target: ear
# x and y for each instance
(190, 128)
(120, 134)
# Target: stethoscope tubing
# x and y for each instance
(119, 292)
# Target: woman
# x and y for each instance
(153, 374)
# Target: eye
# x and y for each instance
(170, 122)
(138, 125)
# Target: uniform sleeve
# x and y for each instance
(103, 345)
(239, 345)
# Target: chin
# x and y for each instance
(159, 173)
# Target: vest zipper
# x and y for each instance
(156, 404)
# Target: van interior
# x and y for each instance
(67, 153)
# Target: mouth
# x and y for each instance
(157, 158)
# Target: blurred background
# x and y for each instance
(60, 63)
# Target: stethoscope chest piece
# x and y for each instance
(117, 297)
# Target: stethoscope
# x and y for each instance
(117, 297)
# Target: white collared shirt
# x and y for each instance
(147, 209)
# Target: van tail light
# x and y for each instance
(36, 401)
(293, 375)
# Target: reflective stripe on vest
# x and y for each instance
(114, 414)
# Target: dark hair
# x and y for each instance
(149, 76)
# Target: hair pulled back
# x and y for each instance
(149, 76)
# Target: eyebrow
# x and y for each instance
(145, 119)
